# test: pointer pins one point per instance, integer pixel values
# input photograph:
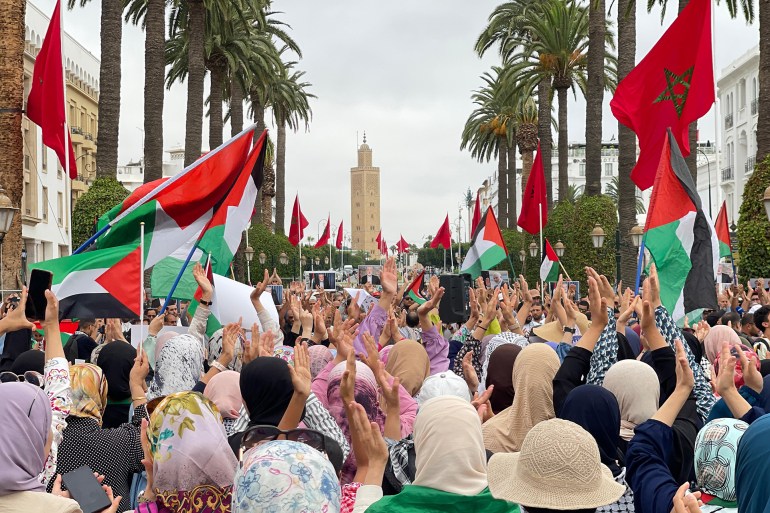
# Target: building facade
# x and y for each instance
(365, 201)
(49, 195)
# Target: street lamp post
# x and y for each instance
(708, 169)
(7, 213)
(636, 233)
(249, 252)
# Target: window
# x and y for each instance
(60, 207)
(742, 93)
(45, 203)
(44, 160)
(582, 169)
(608, 169)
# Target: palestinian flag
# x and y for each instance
(487, 247)
(99, 283)
(723, 233)
(680, 237)
(414, 288)
(549, 269)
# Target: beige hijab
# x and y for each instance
(409, 361)
(459, 468)
(533, 375)
(637, 389)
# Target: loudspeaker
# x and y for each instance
(454, 306)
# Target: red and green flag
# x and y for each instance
(549, 269)
(487, 247)
(723, 233)
(680, 237)
(415, 287)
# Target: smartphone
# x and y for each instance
(39, 282)
(86, 490)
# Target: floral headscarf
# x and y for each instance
(320, 356)
(288, 477)
(178, 367)
(285, 353)
(89, 391)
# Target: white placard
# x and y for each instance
(231, 301)
(365, 300)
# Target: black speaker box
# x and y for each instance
(454, 306)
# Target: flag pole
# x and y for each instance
(178, 277)
(542, 254)
(564, 270)
(639, 264)
(141, 284)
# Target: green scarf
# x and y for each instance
(414, 499)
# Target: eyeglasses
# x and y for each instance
(31, 377)
(257, 435)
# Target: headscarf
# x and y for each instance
(266, 389)
(285, 476)
(500, 374)
(178, 366)
(636, 342)
(89, 391)
(714, 339)
(163, 338)
(408, 360)
(116, 361)
(443, 384)
(385, 353)
(533, 375)
(484, 344)
(365, 393)
(320, 356)
(716, 447)
(635, 385)
(497, 341)
(459, 468)
(695, 345)
(596, 410)
(188, 444)
(25, 422)
(738, 374)
(214, 351)
(752, 473)
(285, 353)
(224, 391)
(32, 360)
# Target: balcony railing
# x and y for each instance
(729, 121)
(753, 106)
(727, 174)
(77, 130)
(89, 137)
(750, 163)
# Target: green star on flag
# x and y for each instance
(673, 80)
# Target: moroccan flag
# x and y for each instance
(326, 235)
(45, 103)
(298, 223)
(680, 237)
(533, 202)
(414, 288)
(402, 246)
(443, 237)
(670, 88)
(487, 247)
(476, 214)
(338, 243)
(382, 246)
(99, 283)
(723, 232)
(549, 269)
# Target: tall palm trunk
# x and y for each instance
(511, 219)
(154, 90)
(109, 89)
(280, 177)
(626, 140)
(763, 124)
(268, 192)
(259, 119)
(216, 121)
(196, 68)
(236, 107)
(544, 134)
(11, 142)
(595, 97)
(502, 182)
(563, 141)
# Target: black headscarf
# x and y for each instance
(500, 374)
(32, 360)
(695, 345)
(596, 410)
(116, 360)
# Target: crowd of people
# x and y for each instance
(539, 402)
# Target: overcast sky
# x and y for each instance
(403, 72)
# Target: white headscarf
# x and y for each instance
(178, 367)
(637, 389)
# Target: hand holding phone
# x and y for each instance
(86, 490)
(39, 282)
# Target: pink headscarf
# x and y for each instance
(320, 356)
(385, 354)
(712, 344)
(224, 390)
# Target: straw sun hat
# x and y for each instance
(558, 468)
(553, 332)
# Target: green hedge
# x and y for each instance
(753, 231)
(104, 194)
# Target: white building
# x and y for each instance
(738, 90)
(131, 176)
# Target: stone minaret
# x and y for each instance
(365, 201)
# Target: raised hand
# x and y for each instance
(684, 375)
(469, 372)
(300, 371)
(425, 308)
(726, 376)
(605, 288)
(389, 278)
(525, 294)
(482, 404)
(261, 286)
(751, 375)
(372, 356)
(347, 384)
(203, 282)
(597, 304)
(16, 319)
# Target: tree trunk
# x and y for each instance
(11, 142)
(280, 178)
(259, 115)
(154, 88)
(259, 118)
(595, 97)
(109, 89)
(268, 192)
(236, 107)
(216, 121)
(502, 182)
(544, 133)
(563, 142)
(626, 141)
(763, 124)
(511, 218)
(527, 159)
(196, 67)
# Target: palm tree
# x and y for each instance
(612, 191)
(597, 32)
(572, 193)
(109, 85)
(526, 130)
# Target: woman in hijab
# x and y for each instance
(320, 356)
(499, 372)
(178, 366)
(752, 473)
(637, 390)
(116, 360)
(533, 375)
(224, 390)
(192, 468)
(506, 338)
(285, 476)
(712, 346)
(596, 410)
(408, 360)
(451, 464)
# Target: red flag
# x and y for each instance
(443, 237)
(324, 240)
(45, 103)
(381, 244)
(298, 223)
(722, 228)
(210, 275)
(534, 201)
(402, 246)
(476, 215)
(338, 244)
(670, 88)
